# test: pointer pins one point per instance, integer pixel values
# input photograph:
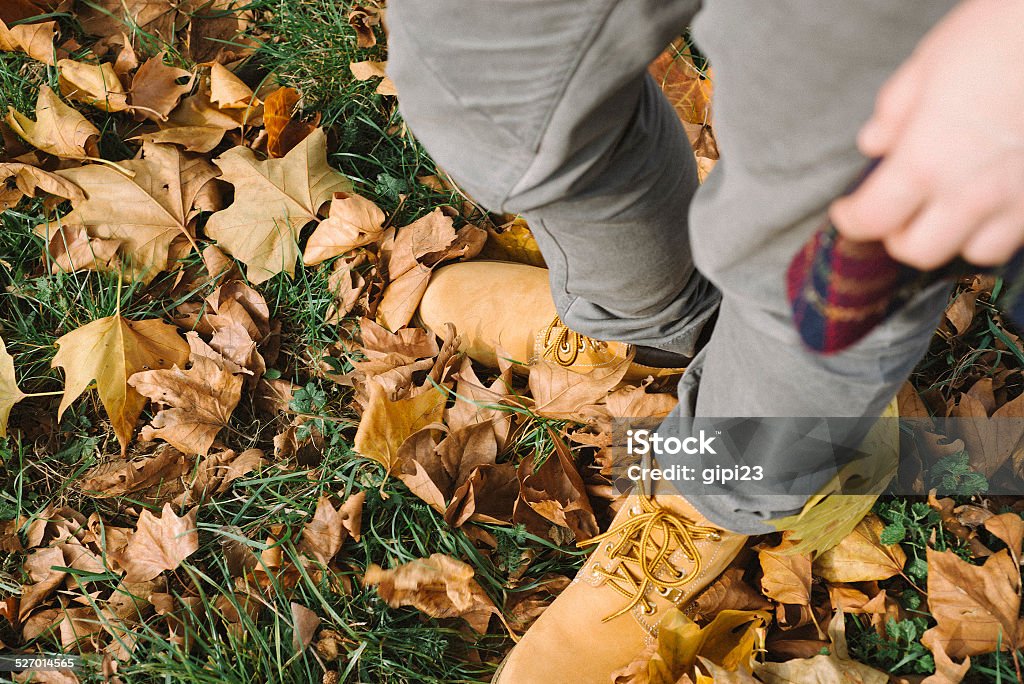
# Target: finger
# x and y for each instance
(946, 225)
(885, 203)
(893, 105)
(997, 240)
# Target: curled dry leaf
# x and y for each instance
(786, 577)
(304, 625)
(59, 130)
(352, 221)
(274, 199)
(35, 40)
(9, 392)
(199, 401)
(362, 19)
(93, 84)
(158, 544)
(440, 586)
(284, 132)
(29, 180)
(227, 91)
(110, 350)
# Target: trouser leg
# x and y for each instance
(545, 108)
(794, 81)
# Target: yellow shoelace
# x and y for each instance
(646, 540)
(564, 347)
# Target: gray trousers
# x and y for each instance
(545, 108)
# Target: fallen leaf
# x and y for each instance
(93, 84)
(147, 212)
(786, 576)
(227, 91)
(324, 534)
(155, 89)
(352, 221)
(159, 544)
(861, 556)
(304, 625)
(58, 129)
(284, 132)
(362, 19)
(402, 297)
(110, 350)
(9, 392)
(366, 70)
(199, 400)
(440, 586)
(35, 40)
(976, 607)
(385, 424)
(562, 393)
(274, 199)
(29, 180)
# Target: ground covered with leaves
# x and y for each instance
(227, 456)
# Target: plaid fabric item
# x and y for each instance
(840, 289)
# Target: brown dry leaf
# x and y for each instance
(562, 393)
(39, 565)
(305, 622)
(556, 491)
(946, 671)
(58, 129)
(155, 89)
(352, 514)
(72, 249)
(352, 221)
(432, 233)
(960, 312)
(324, 534)
(35, 40)
(1009, 528)
(159, 544)
(9, 392)
(729, 592)
(29, 180)
(274, 199)
(109, 351)
(120, 477)
(218, 31)
(402, 297)
(386, 424)
(821, 669)
(284, 132)
(199, 400)
(362, 19)
(366, 70)
(861, 556)
(990, 443)
(215, 473)
(146, 212)
(787, 576)
(93, 84)
(109, 17)
(227, 91)
(976, 607)
(440, 586)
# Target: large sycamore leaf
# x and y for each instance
(9, 392)
(861, 556)
(147, 211)
(109, 351)
(274, 199)
(58, 129)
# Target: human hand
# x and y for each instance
(950, 126)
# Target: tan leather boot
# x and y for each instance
(659, 552)
(501, 307)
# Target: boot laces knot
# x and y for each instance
(646, 541)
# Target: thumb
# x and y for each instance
(893, 107)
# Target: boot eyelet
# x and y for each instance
(647, 609)
(663, 591)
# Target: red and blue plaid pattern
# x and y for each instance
(840, 289)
